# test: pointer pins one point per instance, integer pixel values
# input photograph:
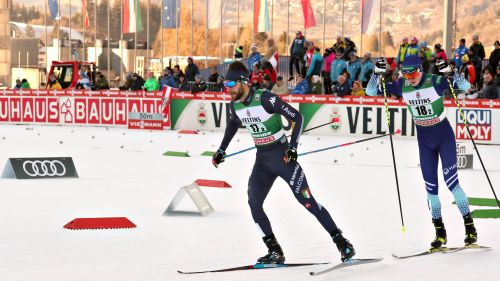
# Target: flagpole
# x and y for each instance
(147, 36)
(46, 39)
(272, 17)
(136, 2)
(161, 38)
(253, 24)
(380, 31)
(121, 41)
(109, 46)
(206, 33)
(83, 27)
(361, 29)
(69, 37)
(221, 20)
(238, 24)
(95, 33)
(324, 25)
(192, 20)
(342, 24)
(59, 31)
(176, 32)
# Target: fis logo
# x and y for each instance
(479, 122)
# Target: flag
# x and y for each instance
(370, 10)
(54, 9)
(215, 13)
(132, 20)
(307, 10)
(86, 21)
(274, 61)
(169, 14)
(261, 16)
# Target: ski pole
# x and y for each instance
(253, 147)
(393, 157)
(349, 143)
(472, 139)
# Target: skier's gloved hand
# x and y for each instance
(290, 155)
(443, 66)
(218, 157)
(380, 66)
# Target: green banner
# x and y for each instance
(177, 106)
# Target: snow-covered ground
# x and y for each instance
(123, 173)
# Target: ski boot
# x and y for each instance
(343, 245)
(275, 253)
(440, 239)
(470, 231)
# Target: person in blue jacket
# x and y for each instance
(338, 66)
(302, 86)
(354, 66)
(459, 53)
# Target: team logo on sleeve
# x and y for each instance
(336, 120)
(202, 114)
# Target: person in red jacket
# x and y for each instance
(467, 70)
(440, 53)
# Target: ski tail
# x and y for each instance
(252, 266)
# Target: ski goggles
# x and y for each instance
(411, 75)
(230, 84)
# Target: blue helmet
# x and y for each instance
(411, 64)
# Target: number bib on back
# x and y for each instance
(265, 128)
(425, 104)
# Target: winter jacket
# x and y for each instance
(459, 53)
(401, 54)
(442, 55)
(338, 66)
(151, 84)
(478, 50)
(184, 86)
(254, 58)
(354, 69)
(316, 88)
(301, 88)
(327, 65)
(169, 81)
(494, 58)
(342, 90)
(199, 87)
(366, 72)
(316, 65)
(412, 49)
(191, 71)
(297, 48)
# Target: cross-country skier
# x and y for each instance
(423, 94)
(260, 111)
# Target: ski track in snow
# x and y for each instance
(123, 173)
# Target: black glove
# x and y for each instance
(290, 155)
(218, 157)
(380, 66)
(443, 66)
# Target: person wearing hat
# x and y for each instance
(413, 48)
(101, 82)
(425, 48)
(423, 94)
(168, 79)
(354, 66)
(151, 83)
(467, 70)
(302, 86)
(366, 71)
(339, 65)
(199, 85)
(459, 53)
(339, 44)
(17, 86)
(400, 58)
(260, 112)
(280, 88)
(238, 53)
(254, 57)
(297, 52)
(477, 47)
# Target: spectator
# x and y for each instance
(25, 84)
(83, 82)
(413, 47)
(267, 68)
(151, 83)
(338, 66)
(342, 87)
(219, 86)
(402, 51)
(183, 83)
(308, 57)
(339, 44)
(357, 90)
(440, 53)
(256, 82)
(101, 82)
(191, 70)
(433, 69)
(267, 83)
(349, 47)
(256, 74)
(17, 86)
(424, 61)
(297, 52)
(348, 78)
(271, 49)
(137, 82)
(254, 56)
(302, 87)
(427, 51)
(199, 85)
(495, 55)
(467, 70)
(53, 83)
(497, 76)
(280, 88)
(177, 72)
(476, 62)
(328, 57)
(316, 85)
(168, 79)
(128, 82)
(367, 68)
(238, 53)
(354, 67)
(459, 53)
(315, 67)
(477, 47)
(490, 90)
(213, 75)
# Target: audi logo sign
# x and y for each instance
(36, 168)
